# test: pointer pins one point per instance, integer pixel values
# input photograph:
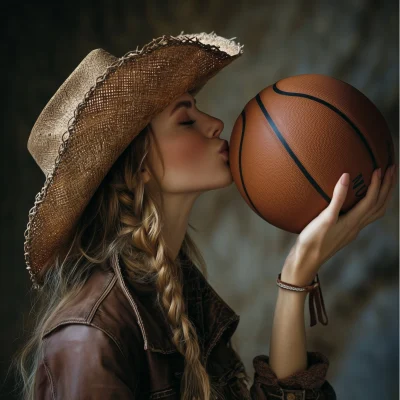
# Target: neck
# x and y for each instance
(176, 211)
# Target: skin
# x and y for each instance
(192, 164)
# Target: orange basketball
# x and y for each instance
(294, 140)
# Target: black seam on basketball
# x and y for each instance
(243, 114)
(337, 111)
(290, 151)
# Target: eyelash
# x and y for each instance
(188, 122)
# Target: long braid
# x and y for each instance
(169, 283)
(141, 221)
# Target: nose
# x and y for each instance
(217, 126)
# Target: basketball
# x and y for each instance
(293, 141)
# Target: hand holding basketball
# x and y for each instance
(325, 235)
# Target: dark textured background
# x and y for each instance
(353, 40)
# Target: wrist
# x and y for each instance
(291, 295)
(300, 267)
(293, 276)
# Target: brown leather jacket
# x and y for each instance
(113, 342)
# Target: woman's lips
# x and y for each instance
(224, 146)
(225, 154)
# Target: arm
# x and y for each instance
(288, 353)
(81, 361)
(324, 236)
(290, 369)
(310, 384)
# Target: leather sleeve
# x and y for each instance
(307, 384)
(83, 362)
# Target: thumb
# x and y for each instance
(339, 194)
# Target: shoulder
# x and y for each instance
(99, 315)
(80, 344)
(79, 361)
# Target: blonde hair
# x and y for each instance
(124, 217)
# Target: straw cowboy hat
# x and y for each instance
(93, 117)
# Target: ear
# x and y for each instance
(146, 176)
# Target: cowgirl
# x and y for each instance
(125, 311)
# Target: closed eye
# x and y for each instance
(188, 122)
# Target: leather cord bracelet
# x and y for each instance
(315, 296)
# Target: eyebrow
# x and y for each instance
(183, 103)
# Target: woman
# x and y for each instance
(125, 312)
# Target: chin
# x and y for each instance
(228, 180)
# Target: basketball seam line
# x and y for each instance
(290, 151)
(336, 110)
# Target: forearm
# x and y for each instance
(288, 353)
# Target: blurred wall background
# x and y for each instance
(353, 40)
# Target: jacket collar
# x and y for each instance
(213, 318)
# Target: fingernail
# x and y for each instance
(345, 179)
(379, 173)
(392, 170)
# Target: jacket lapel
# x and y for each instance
(212, 317)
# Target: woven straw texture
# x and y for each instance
(93, 117)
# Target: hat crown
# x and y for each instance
(47, 133)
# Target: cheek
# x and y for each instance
(190, 151)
